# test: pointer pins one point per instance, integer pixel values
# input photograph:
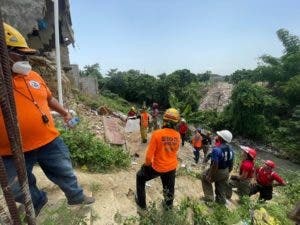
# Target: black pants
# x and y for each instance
(265, 192)
(147, 173)
(183, 138)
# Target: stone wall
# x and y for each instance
(88, 85)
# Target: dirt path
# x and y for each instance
(114, 192)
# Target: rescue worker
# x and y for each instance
(221, 165)
(154, 115)
(264, 177)
(206, 141)
(132, 113)
(243, 181)
(40, 139)
(161, 160)
(183, 129)
(197, 144)
(144, 123)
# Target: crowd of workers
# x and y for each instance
(42, 145)
(161, 160)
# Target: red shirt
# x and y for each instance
(183, 127)
(248, 167)
(266, 178)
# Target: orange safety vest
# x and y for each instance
(144, 119)
(34, 133)
(162, 150)
(197, 140)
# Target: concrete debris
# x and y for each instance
(104, 110)
(112, 131)
(217, 97)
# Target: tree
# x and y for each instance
(290, 42)
(250, 108)
(93, 71)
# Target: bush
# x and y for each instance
(90, 153)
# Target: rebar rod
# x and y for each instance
(8, 107)
(9, 198)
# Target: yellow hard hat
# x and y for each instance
(16, 40)
(172, 115)
(133, 108)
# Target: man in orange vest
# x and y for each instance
(40, 139)
(197, 144)
(144, 123)
(161, 160)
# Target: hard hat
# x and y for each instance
(183, 120)
(249, 151)
(270, 163)
(132, 108)
(172, 115)
(16, 40)
(226, 135)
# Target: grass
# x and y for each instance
(65, 215)
(92, 154)
(113, 101)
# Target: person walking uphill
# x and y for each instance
(161, 160)
(154, 115)
(197, 144)
(144, 123)
(40, 139)
(183, 128)
(243, 180)
(221, 165)
(264, 178)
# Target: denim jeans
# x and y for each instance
(54, 160)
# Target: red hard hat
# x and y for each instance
(250, 151)
(270, 163)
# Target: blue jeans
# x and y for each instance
(54, 159)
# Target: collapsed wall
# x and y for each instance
(35, 20)
(217, 96)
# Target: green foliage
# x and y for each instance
(290, 42)
(291, 89)
(240, 75)
(93, 71)
(113, 101)
(251, 105)
(89, 152)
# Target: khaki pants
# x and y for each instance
(144, 133)
(205, 150)
(220, 179)
(243, 187)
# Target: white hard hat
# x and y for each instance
(226, 135)
(183, 120)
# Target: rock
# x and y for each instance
(104, 110)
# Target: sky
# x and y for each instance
(161, 36)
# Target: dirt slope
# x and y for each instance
(114, 192)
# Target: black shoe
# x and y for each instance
(138, 203)
(40, 207)
(86, 201)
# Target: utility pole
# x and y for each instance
(57, 51)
